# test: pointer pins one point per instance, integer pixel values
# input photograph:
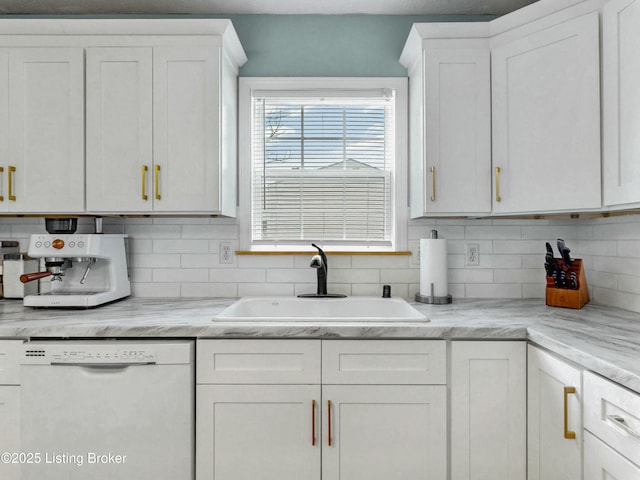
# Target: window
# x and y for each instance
(323, 162)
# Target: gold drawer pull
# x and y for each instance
(618, 421)
(567, 434)
(1, 196)
(498, 197)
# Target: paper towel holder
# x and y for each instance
(431, 299)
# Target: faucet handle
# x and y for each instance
(323, 256)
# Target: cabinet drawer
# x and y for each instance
(10, 362)
(258, 362)
(601, 461)
(384, 362)
(612, 413)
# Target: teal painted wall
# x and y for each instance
(327, 45)
(318, 45)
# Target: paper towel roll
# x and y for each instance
(433, 267)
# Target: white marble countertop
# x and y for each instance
(605, 340)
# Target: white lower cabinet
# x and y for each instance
(9, 409)
(258, 431)
(378, 432)
(612, 430)
(314, 430)
(554, 418)
(488, 410)
(602, 462)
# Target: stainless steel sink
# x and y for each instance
(294, 309)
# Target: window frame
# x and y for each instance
(399, 181)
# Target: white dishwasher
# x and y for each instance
(107, 410)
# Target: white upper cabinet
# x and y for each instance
(449, 118)
(546, 115)
(161, 109)
(119, 129)
(161, 129)
(621, 102)
(42, 130)
(186, 92)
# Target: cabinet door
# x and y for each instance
(186, 90)
(602, 462)
(621, 101)
(10, 428)
(4, 128)
(46, 129)
(554, 418)
(246, 432)
(488, 410)
(458, 129)
(546, 119)
(373, 432)
(119, 129)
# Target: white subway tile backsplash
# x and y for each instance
(267, 261)
(196, 290)
(290, 275)
(153, 231)
(154, 260)
(493, 232)
(199, 260)
(494, 290)
(155, 290)
(624, 248)
(380, 261)
(265, 289)
(178, 256)
(181, 246)
(399, 275)
(524, 275)
(478, 275)
(181, 275)
(218, 231)
(238, 275)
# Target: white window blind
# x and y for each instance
(322, 166)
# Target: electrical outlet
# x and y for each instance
(226, 253)
(473, 255)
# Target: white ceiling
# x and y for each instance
(227, 7)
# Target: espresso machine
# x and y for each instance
(85, 270)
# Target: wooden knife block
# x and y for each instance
(565, 297)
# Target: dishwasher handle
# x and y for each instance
(113, 366)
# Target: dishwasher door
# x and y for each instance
(107, 411)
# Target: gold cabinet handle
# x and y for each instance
(567, 433)
(433, 184)
(498, 197)
(157, 180)
(145, 169)
(1, 196)
(12, 170)
(313, 423)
